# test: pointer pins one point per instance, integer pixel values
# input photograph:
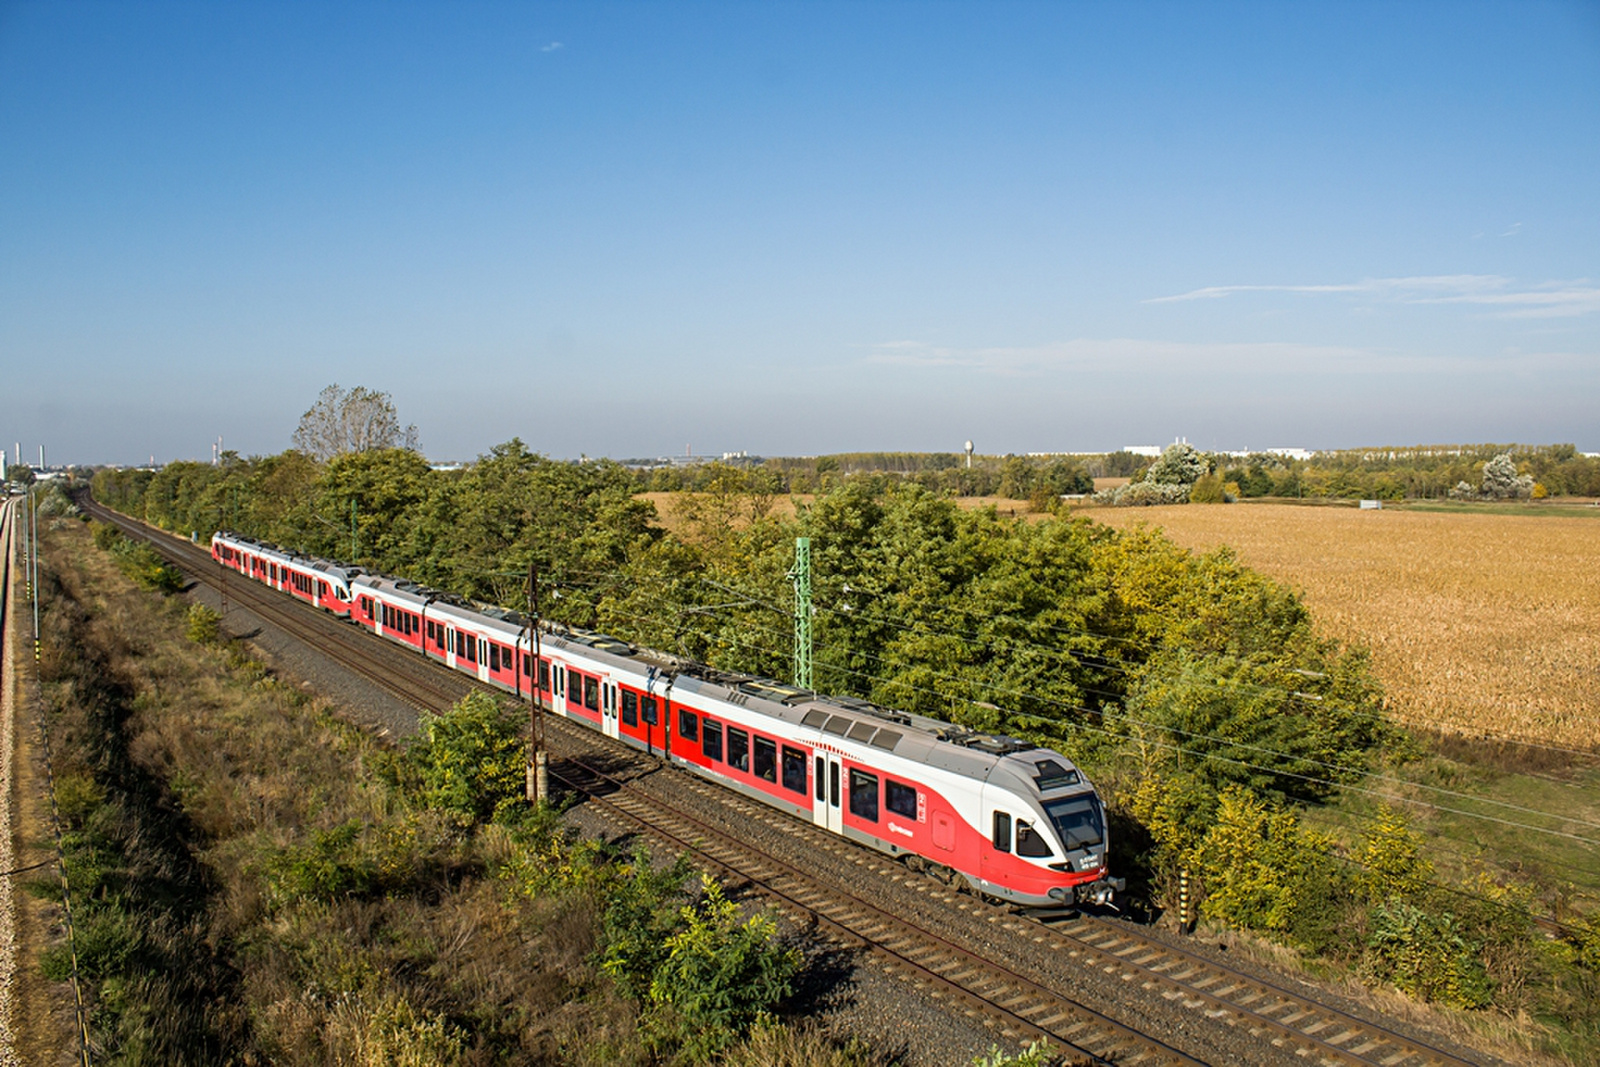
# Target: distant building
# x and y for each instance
(1148, 451)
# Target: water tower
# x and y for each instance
(969, 455)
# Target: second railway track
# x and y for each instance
(1022, 1002)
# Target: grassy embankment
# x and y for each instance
(252, 886)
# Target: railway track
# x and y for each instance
(1020, 1004)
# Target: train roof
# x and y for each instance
(949, 746)
(331, 568)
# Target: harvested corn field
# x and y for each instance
(1479, 624)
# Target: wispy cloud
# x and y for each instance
(1124, 355)
(551, 47)
(1511, 300)
(1516, 228)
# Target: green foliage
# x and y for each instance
(470, 760)
(138, 560)
(205, 625)
(1207, 489)
(640, 917)
(720, 976)
(332, 865)
(1262, 870)
(1034, 1054)
(1428, 955)
(1586, 943)
(1391, 859)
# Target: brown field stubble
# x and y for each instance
(1479, 624)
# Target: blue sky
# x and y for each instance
(624, 229)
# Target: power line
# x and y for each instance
(1189, 751)
(1196, 735)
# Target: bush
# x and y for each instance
(333, 865)
(1208, 489)
(1427, 955)
(720, 975)
(471, 760)
(1263, 871)
(204, 625)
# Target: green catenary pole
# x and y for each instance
(802, 612)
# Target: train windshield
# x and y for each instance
(1078, 820)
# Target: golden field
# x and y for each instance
(1482, 624)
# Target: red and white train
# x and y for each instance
(1016, 822)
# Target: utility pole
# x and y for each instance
(538, 771)
(355, 547)
(33, 562)
(800, 574)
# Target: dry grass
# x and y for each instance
(1482, 624)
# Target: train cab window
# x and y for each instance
(649, 710)
(794, 770)
(688, 725)
(766, 759)
(630, 709)
(711, 744)
(821, 763)
(1002, 831)
(864, 795)
(738, 748)
(900, 798)
(591, 694)
(1029, 843)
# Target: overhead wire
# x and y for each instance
(1173, 746)
(1198, 735)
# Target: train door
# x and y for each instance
(826, 787)
(608, 709)
(483, 659)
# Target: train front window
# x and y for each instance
(1078, 820)
(1029, 843)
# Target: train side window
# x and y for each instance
(688, 725)
(711, 742)
(1029, 843)
(561, 680)
(766, 760)
(738, 748)
(494, 656)
(794, 770)
(821, 763)
(900, 798)
(591, 693)
(630, 709)
(544, 675)
(833, 784)
(863, 795)
(1002, 831)
(650, 710)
